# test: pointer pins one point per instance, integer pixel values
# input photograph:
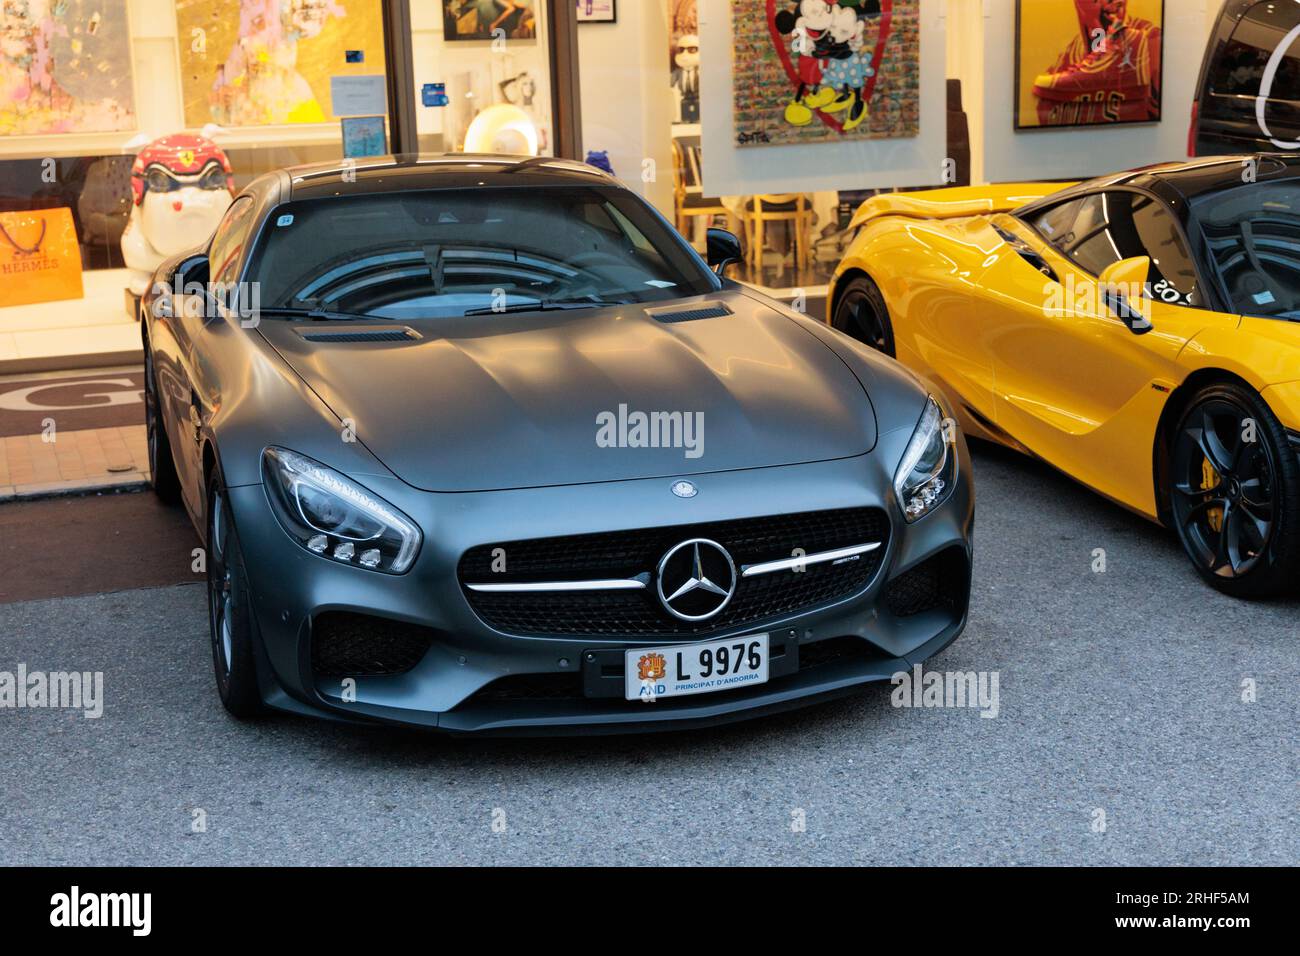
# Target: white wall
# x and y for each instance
(627, 101)
(1008, 156)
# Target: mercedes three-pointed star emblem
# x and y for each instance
(696, 579)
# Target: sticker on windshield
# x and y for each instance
(660, 283)
(285, 220)
(1263, 298)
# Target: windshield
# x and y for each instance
(443, 253)
(1252, 237)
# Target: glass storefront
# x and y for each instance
(482, 77)
(125, 128)
(125, 125)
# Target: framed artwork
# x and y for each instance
(66, 68)
(597, 11)
(825, 71)
(1088, 62)
(270, 62)
(481, 19)
(364, 136)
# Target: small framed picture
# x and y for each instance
(597, 11)
(363, 136)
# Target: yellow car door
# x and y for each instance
(1077, 385)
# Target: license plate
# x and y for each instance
(680, 669)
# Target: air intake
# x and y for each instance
(372, 334)
(706, 310)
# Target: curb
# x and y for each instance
(127, 482)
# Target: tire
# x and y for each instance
(230, 615)
(162, 467)
(861, 312)
(1235, 503)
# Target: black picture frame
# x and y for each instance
(1016, 78)
(611, 18)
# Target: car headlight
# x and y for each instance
(334, 517)
(926, 474)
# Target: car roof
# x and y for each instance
(401, 173)
(1178, 184)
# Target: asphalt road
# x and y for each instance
(1119, 692)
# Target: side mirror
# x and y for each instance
(193, 270)
(1122, 289)
(723, 248)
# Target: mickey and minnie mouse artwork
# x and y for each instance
(834, 68)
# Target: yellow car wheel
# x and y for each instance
(860, 311)
(1234, 492)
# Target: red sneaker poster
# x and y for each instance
(1088, 62)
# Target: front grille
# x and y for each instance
(938, 582)
(344, 644)
(626, 554)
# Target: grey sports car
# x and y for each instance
(481, 444)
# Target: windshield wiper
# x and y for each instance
(546, 305)
(322, 315)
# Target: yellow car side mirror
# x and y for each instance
(1122, 289)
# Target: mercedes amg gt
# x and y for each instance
(480, 444)
(1137, 331)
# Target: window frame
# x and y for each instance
(1209, 291)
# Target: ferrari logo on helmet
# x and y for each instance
(651, 667)
(186, 156)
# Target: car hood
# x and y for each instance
(524, 400)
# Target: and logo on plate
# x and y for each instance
(651, 667)
(685, 489)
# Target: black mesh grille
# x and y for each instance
(362, 335)
(357, 645)
(690, 315)
(937, 582)
(625, 554)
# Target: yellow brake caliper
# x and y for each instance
(1209, 481)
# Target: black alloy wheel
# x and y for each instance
(230, 617)
(861, 312)
(1235, 493)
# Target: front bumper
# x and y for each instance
(818, 653)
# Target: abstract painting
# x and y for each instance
(269, 62)
(65, 67)
(808, 71)
(1088, 62)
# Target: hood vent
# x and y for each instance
(705, 310)
(369, 334)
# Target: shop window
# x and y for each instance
(206, 95)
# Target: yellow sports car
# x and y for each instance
(1138, 331)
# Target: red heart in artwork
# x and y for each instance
(886, 25)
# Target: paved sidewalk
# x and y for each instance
(75, 461)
